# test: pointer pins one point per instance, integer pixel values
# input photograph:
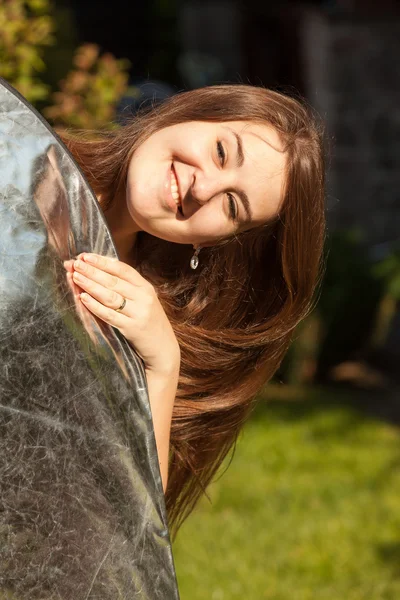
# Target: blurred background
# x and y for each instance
(310, 505)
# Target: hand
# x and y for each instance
(106, 282)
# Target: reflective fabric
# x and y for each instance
(82, 513)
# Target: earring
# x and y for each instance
(194, 261)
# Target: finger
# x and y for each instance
(110, 282)
(107, 297)
(69, 265)
(106, 314)
(76, 290)
(114, 267)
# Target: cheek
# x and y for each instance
(211, 224)
(140, 185)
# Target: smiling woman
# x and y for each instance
(222, 176)
(238, 172)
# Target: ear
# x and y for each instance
(203, 245)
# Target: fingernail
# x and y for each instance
(79, 264)
(90, 258)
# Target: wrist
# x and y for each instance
(167, 368)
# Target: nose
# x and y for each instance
(207, 185)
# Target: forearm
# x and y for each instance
(162, 389)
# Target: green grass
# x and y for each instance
(309, 509)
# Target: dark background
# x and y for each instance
(343, 57)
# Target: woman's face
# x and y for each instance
(226, 177)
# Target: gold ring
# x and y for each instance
(122, 305)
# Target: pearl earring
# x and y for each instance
(194, 261)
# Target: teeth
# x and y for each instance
(174, 189)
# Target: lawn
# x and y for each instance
(308, 509)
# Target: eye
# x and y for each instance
(232, 207)
(233, 213)
(221, 153)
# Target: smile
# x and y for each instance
(175, 190)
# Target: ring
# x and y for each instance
(122, 305)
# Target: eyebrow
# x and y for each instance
(239, 162)
(246, 205)
(240, 153)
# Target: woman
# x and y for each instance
(234, 171)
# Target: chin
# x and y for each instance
(164, 232)
(168, 236)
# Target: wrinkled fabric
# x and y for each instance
(82, 513)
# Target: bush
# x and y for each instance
(88, 95)
(26, 29)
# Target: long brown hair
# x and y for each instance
(234, 316)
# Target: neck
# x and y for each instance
(125, 247)
(123, 229)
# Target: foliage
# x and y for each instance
(357, 301)
(349, 302)
(88, 95)
(90, 92)
(340, 325)
(26, 28)
(348, 273)
(388, 269)
(309, 508)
